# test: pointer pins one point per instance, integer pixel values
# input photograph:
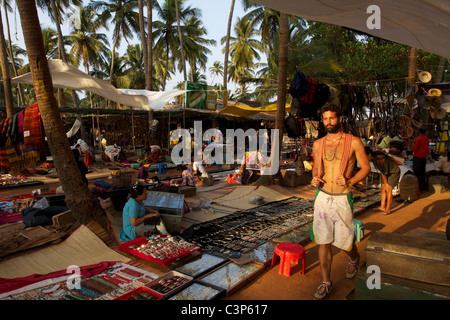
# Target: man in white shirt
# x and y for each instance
(198, 168)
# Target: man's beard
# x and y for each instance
(333, 129)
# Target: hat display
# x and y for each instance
(433, 101)
(424, 76)
(435, 92)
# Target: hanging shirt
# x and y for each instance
(421, 145)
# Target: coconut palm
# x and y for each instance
(7, 86)
(88, 45)
(195, 45)
(84, 206)
(134, 59)
(244, 49)
(166, 33)
(226, 51)
(125, 19)
(216, 70)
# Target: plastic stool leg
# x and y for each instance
(274, 259)
(303, 264)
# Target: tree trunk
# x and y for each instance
(21, 98)
(149, 75)
(412, 66)
(225, 64)
(440, 70)
(7, 87)
(149, 72)
(411, 79)
(85, 207)
(282, 70)
(143, 38)
(63, 57)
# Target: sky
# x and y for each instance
(215, 14)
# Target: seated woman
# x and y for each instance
(139, 220)
(390, 176)
(187, 178)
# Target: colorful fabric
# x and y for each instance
(421, 145)
(88, 159)
(7, 285)
(3, 157)
(32, 127)
(188, 178)
(3, 130)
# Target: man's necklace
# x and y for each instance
(335, 150)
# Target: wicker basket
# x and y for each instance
(409, 188)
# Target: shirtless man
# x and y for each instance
(335, 156)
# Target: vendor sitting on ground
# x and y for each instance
(139, 220)
(152, 154)
(143, 172)
(187, 178)
(199, 170)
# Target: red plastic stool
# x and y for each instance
(289, 252)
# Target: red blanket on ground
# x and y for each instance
(7, 285)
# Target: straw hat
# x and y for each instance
(435, 92)
(424, 76)
(433, 101)
(440, 113)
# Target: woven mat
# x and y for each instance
(239, 199)
(81, 248)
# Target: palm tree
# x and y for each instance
(243, 49)
(227, 48)
(195, 45)
(88, 46)
(84, 206)
(21, 98)
(166, 31)
(134, 59)
(216, 70)
(50, 38)
(149, 71)
(124, 17)
(7, 87)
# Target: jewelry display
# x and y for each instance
(108, 285)
(199, 266)
(159, 248)
(231, 275)
(198, 291)
(245, 230)
(169, 283)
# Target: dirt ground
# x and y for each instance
(430, 211)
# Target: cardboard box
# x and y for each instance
(292, 179)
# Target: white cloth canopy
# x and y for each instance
(421, 24)
(66, 76)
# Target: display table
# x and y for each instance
(160, 248)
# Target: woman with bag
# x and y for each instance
(139, 220)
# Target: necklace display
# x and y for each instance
(163, 248)
(335, 150)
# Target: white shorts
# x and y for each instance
(333, 220)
